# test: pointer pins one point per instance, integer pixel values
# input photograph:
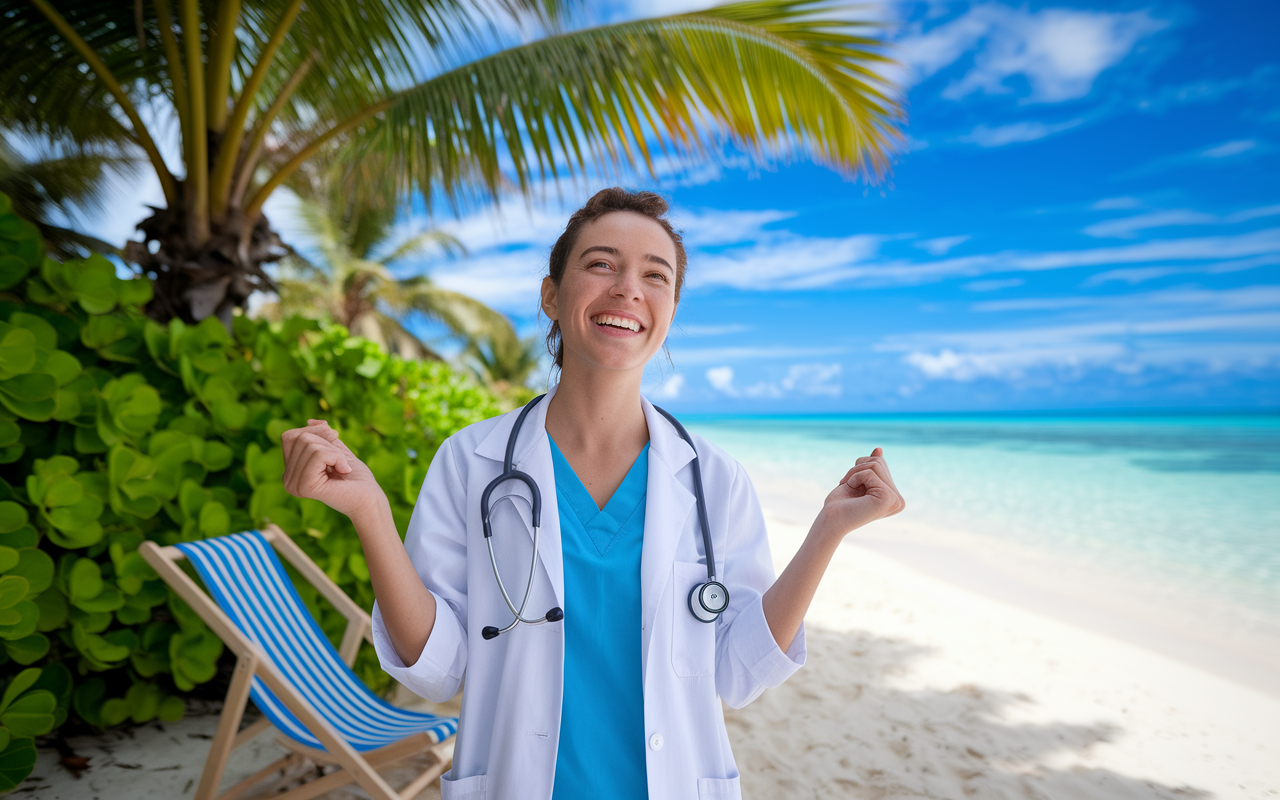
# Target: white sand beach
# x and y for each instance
(916, 687)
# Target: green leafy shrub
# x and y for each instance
(115, 429)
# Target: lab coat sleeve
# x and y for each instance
(748, 659)
(436, 544)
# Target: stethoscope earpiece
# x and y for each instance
(706, 600)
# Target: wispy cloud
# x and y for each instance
(992, 285)
(941, 245)
(1135, 275)
(1128, 227)
(1069, 350)
(1264, 296)
(1013, 133)
(1228, 149)
(811, 380)
(701, 356)
(1059, 52)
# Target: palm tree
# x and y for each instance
(257, 87)
(351, 282)
(505, 364)
(48, 186)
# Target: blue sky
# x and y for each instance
(1087, 216)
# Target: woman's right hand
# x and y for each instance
(319, 465)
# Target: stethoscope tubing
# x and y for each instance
(509, 473)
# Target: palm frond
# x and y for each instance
(776, 76)
(425, 243)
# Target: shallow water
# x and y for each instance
(1190, 501)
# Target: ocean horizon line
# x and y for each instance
(1110, 414)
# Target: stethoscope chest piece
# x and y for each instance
(708, 600)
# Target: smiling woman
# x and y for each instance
(575, 703)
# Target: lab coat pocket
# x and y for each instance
(473, 788)
(720, 788)
(693, 642)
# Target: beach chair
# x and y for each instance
(300, 683)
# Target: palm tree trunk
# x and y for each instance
(194, 280)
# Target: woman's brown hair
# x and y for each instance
(604, 202)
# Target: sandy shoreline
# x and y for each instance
(920, 688)
(923, 681)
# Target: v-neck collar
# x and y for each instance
(602, 523)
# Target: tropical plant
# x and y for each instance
(48, 186)
(257, 88)
(505, 364)
(115, 429)
(350, 282)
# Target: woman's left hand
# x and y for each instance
(866, 494)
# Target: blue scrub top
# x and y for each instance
(602, 742)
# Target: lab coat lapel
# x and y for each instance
(668, 505)
(533, 456)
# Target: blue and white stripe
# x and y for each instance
(248, 581)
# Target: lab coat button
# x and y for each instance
(655, 741)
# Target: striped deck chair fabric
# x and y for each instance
(248, 582)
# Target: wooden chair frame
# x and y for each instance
(252, 660)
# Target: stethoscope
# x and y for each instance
(706, 600)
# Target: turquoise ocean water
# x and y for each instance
(1190, 501)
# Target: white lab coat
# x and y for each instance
(510, 722)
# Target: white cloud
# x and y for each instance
(814, 379)
(1233, 148)
(1001, 135)
(668, 389)
(1128, 227)
(721, 379)
(686, 356)
(679, 330)
(993, 285)
(1128, 346)
(941, 245)
(714, 227)
(1202, 299)
(1060, 52)
(791, 262)
(507, 281)
(810, 380)
(1110, 203)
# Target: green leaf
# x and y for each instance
(51, 610)
(44, 333)
(20, 683)
(36, 566)
(87, 700)
(8, 558)
(214, 520)
(171, 709)
(12, 589)
(12, 516)
(28, 649)
(20, 620)
(31, 714)
(85, 581)
(16, 763)
(358, 566)
(143, 700)
(17, 351)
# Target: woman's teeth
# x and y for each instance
(616, 322)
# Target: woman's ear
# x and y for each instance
(549, 306)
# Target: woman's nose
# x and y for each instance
(626, 284)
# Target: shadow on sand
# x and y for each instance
(829, 732)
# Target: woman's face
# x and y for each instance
(617, 297)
